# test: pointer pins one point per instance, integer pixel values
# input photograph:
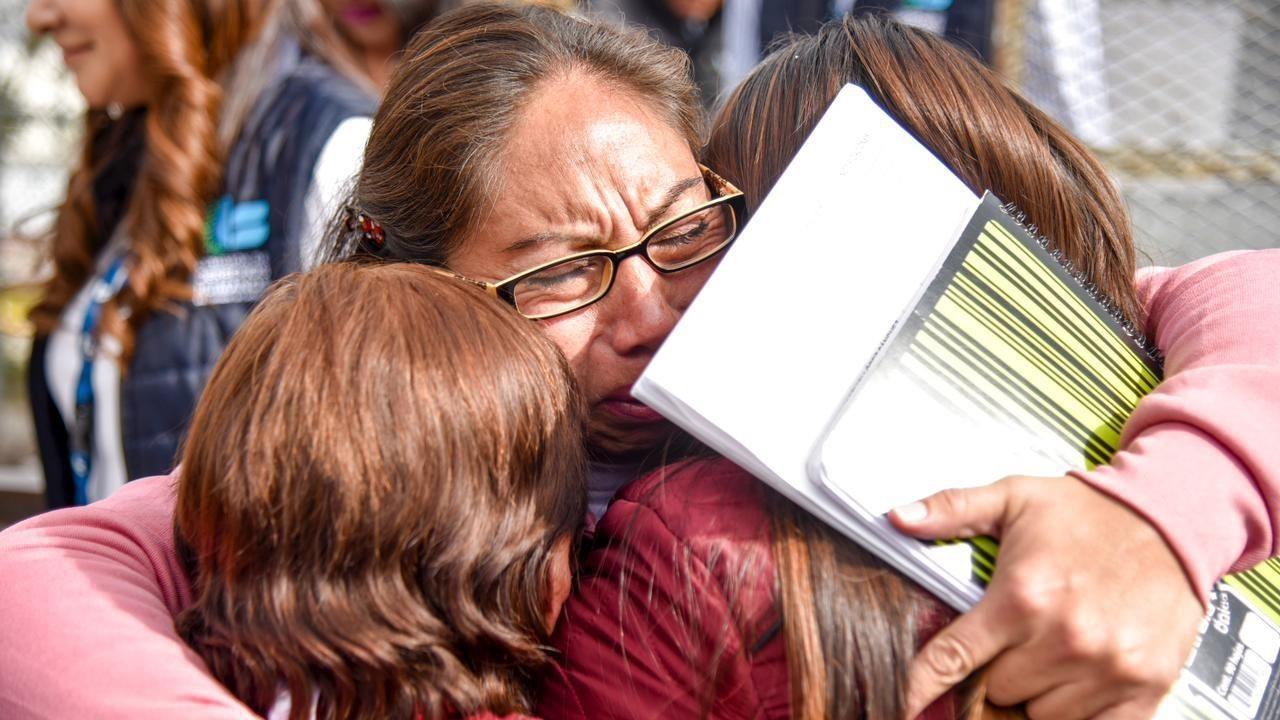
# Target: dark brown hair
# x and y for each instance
(851, 623)
(991, 137)
(185, 46)
(375, 480)
(430, 172)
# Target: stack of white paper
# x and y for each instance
(799, 307)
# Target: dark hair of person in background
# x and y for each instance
(430, 168)
(164, 208)
(843, 608)
(390, 555)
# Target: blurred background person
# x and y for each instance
(213, 137)
(726, 38)
(368, 33)
(288, 86)
(373, 32)
(695, 26)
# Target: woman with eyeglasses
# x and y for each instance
(555, 162)
(760, 601)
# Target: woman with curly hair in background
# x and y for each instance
(215, 142)
(529, 151)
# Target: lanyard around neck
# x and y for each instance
(106, 287)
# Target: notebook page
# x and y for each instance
(1007, 365)
(800, 305)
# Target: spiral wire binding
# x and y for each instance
(1126, 325)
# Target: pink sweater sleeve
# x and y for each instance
(88, 595)
(1200, 456)
(87, 600)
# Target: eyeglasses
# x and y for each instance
(576, 281)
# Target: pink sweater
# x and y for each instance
(1201, 454)
(88, 595)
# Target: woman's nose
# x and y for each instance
(42, 16)
(639, 309)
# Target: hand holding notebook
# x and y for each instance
(1047, 613)
(920, 340)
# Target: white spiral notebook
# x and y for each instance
(879, 333)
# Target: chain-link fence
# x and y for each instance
(1181, 98)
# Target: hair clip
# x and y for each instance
(370, 230)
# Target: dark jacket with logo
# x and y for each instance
(256, 228)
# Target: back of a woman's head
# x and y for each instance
(991, 137)
(432, 164)
(375, 479)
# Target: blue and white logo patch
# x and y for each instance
(237, 226)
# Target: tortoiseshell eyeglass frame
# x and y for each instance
(729, 195)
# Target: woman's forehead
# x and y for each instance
(584, 163)
(578, 125)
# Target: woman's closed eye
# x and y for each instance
(684, 234)
(561, 276)
(692, 238)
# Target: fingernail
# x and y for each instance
(913, 513)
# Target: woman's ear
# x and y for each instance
(559, 581)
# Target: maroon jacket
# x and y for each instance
(675, 614)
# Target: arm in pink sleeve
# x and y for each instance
(1200, 456)
(87, 601)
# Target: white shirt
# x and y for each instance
(331, 182)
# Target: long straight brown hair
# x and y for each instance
(989, 135)
(185, 46)
(375, 482)
(850, 622)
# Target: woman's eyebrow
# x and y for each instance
(549, 237)
(673, 194)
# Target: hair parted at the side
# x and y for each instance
(185, 46)
(371, 493)
(989, 135)
(430, 166)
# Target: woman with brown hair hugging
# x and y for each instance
(713, 596)
(378, 500)
(556, 163)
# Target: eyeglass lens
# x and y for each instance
(568, 285)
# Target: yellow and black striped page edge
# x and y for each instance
(1016, 335)
(1261, 586)
(1013, 332)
